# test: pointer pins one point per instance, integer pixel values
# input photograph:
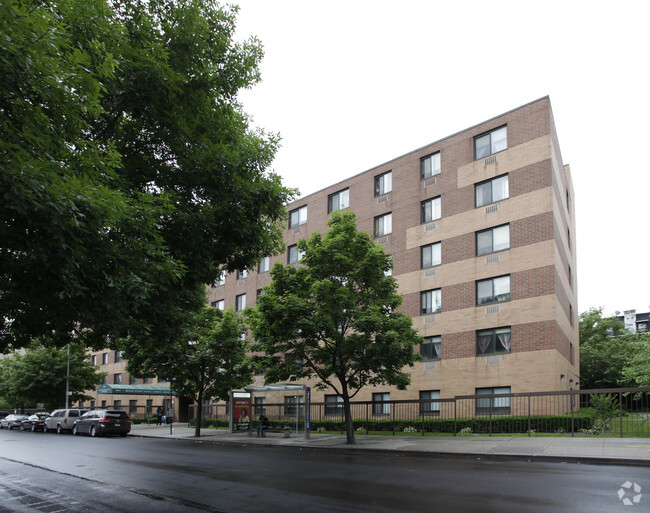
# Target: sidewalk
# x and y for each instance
(597, 450)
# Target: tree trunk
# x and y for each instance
(199, 414)
(349, 425)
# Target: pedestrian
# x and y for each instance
(170, 414)
(264, 425)
(159, 416)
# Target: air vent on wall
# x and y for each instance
(493, 360)
(490, 259)
(492, 208)
(383, 199)
(429, 273)
(494, 309)
(429, 366)
(430, 181)
(296, 230)
(383, 240)
(430, 227)
(490, 160)
(430, 319)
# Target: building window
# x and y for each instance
(498, 405)
(147, 381)
(298, 217)
(383, 183)
(430, 301)
(93, 359)
(118, 356)
(240, 302)
(430, 210)
(338, 201)
(383, 225)
(430, 348)
(293, 405)
(380, 404)
(133, 406)
(117, 405)
(103, 404)
(104, 380)
(430, 166)
(494, 341)
(117, 379)
(431, 255)
(264, 265)
(133, 381)
(492, 142)
(295, 255)
(149, 407)
(493, 240)
(493, 290)
(260, 406)
(220, 304)
(242, 274)
(333, 405)
(429, 407)
(221, 279)
(492, 191)
(105, 359)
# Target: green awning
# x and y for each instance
(133, 390)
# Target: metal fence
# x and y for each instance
(604, 412)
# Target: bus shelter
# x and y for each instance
(289, 403)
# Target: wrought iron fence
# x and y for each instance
(604, 412)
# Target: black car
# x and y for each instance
(34, 422)
(103, 422)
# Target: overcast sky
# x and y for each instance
(351, 84)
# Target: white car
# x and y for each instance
(62, 420)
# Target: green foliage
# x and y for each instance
(39, 376)
(208, 359)
(128, 172)
(638, 363)
(334, 317)
(605, 349)
(605, 407)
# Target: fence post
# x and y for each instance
(455, 405)
(620, 411)
(392, 417)
(529, 416)
(572, 399)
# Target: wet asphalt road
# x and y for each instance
(62, 473)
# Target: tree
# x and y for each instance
(334, 317)
(40, 374)
(208, 361)
(605, 350)
(637, 368)
(129, 175)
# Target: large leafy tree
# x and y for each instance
(335, 318)
(637, 368)
(605, 349)
(129, 174)
(40, 375)
(208, 360)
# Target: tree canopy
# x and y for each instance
(208, 360)
(130, 175)
(611, 356)
(334, 317)
(39, 376)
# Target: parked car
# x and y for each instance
(103, 422)
(35, 422)
(12, 421)
(62, 420)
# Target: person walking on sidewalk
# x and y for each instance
(264, 425)
(159, 415)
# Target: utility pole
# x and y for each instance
(67, 381)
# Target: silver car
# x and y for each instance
(62, 420)
(12, 421)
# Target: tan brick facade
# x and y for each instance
(540, 260)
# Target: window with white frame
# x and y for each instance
(338, 200)
(493, 240)
(221, 279)
(493, 290)
(117, 379)
(430, 348)
(333, 405)
(429, 407)
(298, 217)
(430, 166)
(430, 301)
(294, 254)
(242, 274)
(220, 304)
(493, 341)
(492, 191)
(240, 302)
(263, 267)
(118, 356)
(498, 405)
(491, 142)
(430, 255)
(93, 359)
(383, 183)
(380, 404)
(105, 359)
(383, 225)
(430, 210)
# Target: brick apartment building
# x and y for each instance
(481, 229)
